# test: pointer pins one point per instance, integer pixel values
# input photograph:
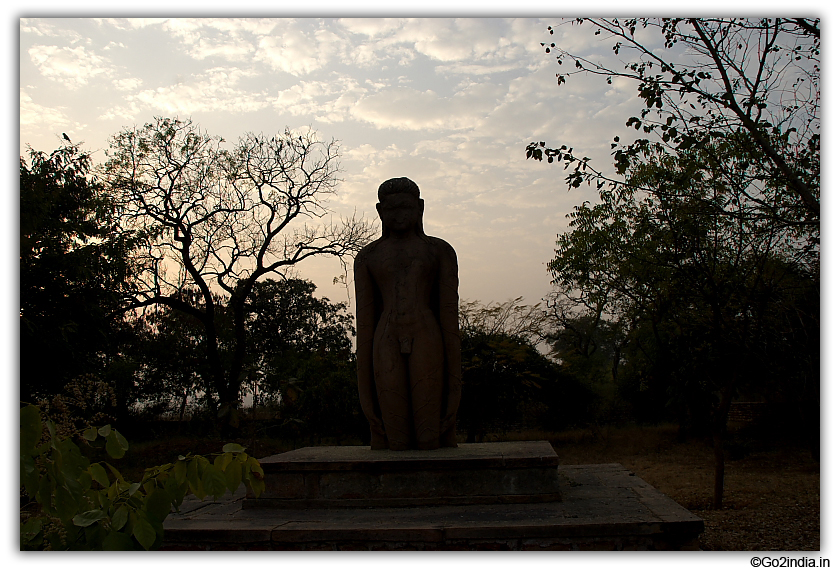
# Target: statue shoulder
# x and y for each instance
(443, 247)
(365, 252)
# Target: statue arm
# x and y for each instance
(365, 327)
(448, 295)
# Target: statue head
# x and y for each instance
(400, 207)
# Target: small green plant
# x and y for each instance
(90, 506)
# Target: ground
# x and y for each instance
(771, 494)
(771, 497)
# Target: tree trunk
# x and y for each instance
(229, 391)
(719, 438)
(183, 406)
(717, 502)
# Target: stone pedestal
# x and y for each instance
(358, 477)
(498, 496)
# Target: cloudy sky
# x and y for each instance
(450, 103)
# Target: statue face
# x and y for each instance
(400, 212)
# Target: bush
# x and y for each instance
(80, 507)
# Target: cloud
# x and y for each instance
(34, 116)
(327, 101)
(214, 90)
(372, 27)
(72, 67)
(231, 49)
(233, 39)
(475, 46)
(130, 23)
(299, 51)
(127, 84)
(41, 125)
(45, 28)
(411, 109)
(477, 69)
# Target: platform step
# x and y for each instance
(357, 477)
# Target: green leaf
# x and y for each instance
(118, 541)
(254, 476)
(89, 517)
(158, 504)
(104, 431)
(194, 480)
(233, 476)
(222, 461)
(214, 482)
(133, 488)
(30, 428)
(113, 447)
(65, 505)
(255, 467)
(233, 448)
(29, 475)
(30, 533)
(176, 491)
(180, 471)
(121, 440)
(99, 475)
(120, 518)
(114, 470)
(90, 434)
(44, 494)
(144, 533)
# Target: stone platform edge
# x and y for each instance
(605, 507)
(359, 477)
(496, 455)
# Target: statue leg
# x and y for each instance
(391, 379)
(425, 370)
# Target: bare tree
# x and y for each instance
(510, 318)
(219, 220)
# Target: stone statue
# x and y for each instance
(408, 348)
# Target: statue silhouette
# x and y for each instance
(408, 348)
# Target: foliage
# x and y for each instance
(750, 82)
(691, 294)
(300, 364)
(80, 405)
(74, 265)
(590, 350)
(707, 240)
(506, 380)
(171, 354)
(304, 357)
(82, 507)
(510, 318)
(224, 218)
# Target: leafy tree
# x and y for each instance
(752, 82)
(224, 219)
(304, 357)
(506, 379)
(74, 265)
(709, 234)
(590, 349)
(173, 366)
(689, 290)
